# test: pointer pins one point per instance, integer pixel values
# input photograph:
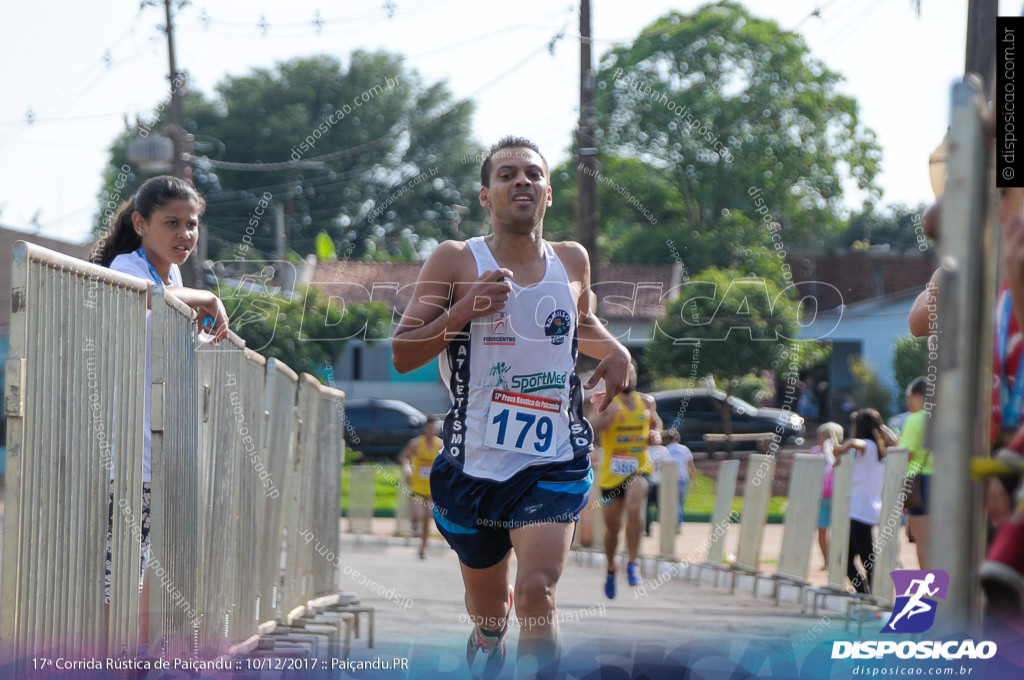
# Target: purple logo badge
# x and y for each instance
(914, 609)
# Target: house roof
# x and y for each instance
(8, 237)
(841, 277)
(628, 292)
(625, 291)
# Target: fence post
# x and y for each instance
(958, 429)
(361, 499)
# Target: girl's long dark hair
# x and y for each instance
(867, 424)
(121, 237)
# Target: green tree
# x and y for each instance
(369, 154)
(909, 359)
(304, 332)
(741, 325)
(733, 116)
(868, 390)
(897, 226)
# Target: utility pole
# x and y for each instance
(177, 89)
(192, 275)
(981, 29)
(586, 173)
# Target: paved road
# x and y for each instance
(425, 615)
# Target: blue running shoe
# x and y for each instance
(633, 574)
(609, 585)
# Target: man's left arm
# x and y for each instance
(594, 339)
(654, 420)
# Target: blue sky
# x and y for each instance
(105, 60)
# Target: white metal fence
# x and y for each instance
(246, 455)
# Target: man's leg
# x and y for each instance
(487, 594)
(489, 605)
(585, 527)
(612, 512)
(684, 489)
(541, 550)
(649, 512)
(420, 508)
(636, 495)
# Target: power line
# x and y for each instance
(366, 146)
(66, 119)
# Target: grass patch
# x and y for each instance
(385, 488)
(700, 501)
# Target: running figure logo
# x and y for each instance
(914, 611)
(498, 372)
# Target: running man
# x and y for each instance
(509, 312)
(914, 604)
(624, 475)
(417, 458)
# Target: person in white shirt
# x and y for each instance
(657, 454)
(867, 446)
(154, 233)
(683, 458)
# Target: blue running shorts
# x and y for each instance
(475, 515)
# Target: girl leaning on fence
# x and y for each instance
(153, 234)
(868, 442)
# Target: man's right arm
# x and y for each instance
(437, 313)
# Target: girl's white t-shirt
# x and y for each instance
(134, 265)
(866, 484)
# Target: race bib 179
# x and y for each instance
(523, 422)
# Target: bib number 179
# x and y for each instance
(526, 423)
(526, 428)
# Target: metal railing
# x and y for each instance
(246, 456)
(959, 426)
(74, 404)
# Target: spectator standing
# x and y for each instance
(867, 447)
(683, 458)
(829, 436)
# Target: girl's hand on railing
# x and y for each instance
(206, 304)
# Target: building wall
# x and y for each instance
(874, 328)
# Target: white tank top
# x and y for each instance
(516, 399)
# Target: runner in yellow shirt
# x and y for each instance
(624, 474)
(417, 458)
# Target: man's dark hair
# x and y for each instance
(917, 386)
(506, 143)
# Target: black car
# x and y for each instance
(699, 411)
(380, 428)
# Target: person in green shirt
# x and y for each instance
(912, 438)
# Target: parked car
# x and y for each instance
(699, 411)
(380, 428)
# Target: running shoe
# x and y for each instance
(633, 574)
(489, 654)
(609, 585)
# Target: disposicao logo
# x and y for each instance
(914, 611)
